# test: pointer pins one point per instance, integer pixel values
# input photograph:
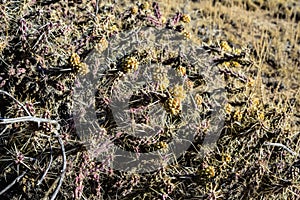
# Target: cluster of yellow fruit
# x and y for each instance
(185, 18)
(188, 84)
(178, 92)
(173, 105)
(210, 171)
(231, 64)
(228, 108)
(131, 64)
(181, 70)
(145, 6)
(198, 99)
(162, 145)
(75, 59)
(113, 29)
(101, 45)
(134, 10)
(226, 158)
(77, 65)
(160, 76)
(187, 35)
(256, 108)
(225, 46)
(2, 46)
(237, 115)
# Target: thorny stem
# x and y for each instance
(6, 93)
(38, 120)
(29, 119)
(234, 74)
(156, 10)
(156, 23)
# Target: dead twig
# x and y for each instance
(3, 131)
(46, 171)
(64, 165)
(280, 145)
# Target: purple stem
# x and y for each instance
(156, 10)
(177, 18)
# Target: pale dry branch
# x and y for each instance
(46, 171)
(280, 145)
(12, 183)
(29, 119)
